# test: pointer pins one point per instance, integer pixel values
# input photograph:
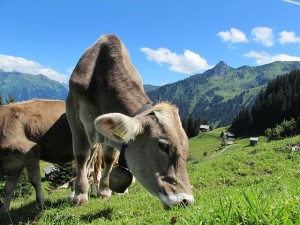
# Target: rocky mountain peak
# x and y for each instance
(220, 69)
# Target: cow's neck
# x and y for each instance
(135, 102)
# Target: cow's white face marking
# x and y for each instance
(176, 199)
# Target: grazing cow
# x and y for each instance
(107, 103)
(34, 130)
(30, 131)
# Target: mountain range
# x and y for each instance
(27, 86)
(216, 95)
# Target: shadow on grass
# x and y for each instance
(21, 215)
(29, 213)
(105, 214)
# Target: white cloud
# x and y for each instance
(233, 36)
(293, 2)
(263, 35)
(11, 63)
(189, 62)
(287, 37)
(265, 58)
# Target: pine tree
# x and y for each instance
(11, 99)
(223, 140)
(241, 123)
(184, 124)
(23, 188)
(60, 175)
(190, 127)
(1, 100)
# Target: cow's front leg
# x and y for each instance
(82, 152)
(10, 185)
(110, 156)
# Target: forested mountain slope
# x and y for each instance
(279, 101)
(219, 93)
(26, 86)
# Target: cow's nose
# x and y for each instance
(184, 203)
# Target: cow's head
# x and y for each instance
(157, 150)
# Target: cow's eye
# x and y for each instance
(164, 146)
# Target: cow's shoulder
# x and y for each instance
(23, 120)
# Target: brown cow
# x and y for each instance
(107, 104)
(30, 131)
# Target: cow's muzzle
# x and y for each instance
(180, 199)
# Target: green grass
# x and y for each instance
(239, 185)
(205, 142)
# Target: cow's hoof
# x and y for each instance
(41, 203)
(105, 194)
(41, 206)
(80, 199)
(72, 195)
(105, 197)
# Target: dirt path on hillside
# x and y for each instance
(224, 149)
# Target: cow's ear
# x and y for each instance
(118, 127)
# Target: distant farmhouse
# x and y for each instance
(48, 172)
(230, 136)
(204, 128)
(254, 141)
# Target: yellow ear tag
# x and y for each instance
(120, 133)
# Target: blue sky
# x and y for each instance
(167, 40)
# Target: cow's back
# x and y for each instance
(40, 121)
(106, 79)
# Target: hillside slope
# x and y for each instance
(219, 93)
(149, 87)
(26, 86)
(261, 180)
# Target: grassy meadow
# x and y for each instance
(239, 184)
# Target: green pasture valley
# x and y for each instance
(237, 184)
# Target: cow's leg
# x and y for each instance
(10, 185)
(110, 156)
(33, 169)
(81, 153)
(81, 149)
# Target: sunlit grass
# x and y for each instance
(242, 185)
